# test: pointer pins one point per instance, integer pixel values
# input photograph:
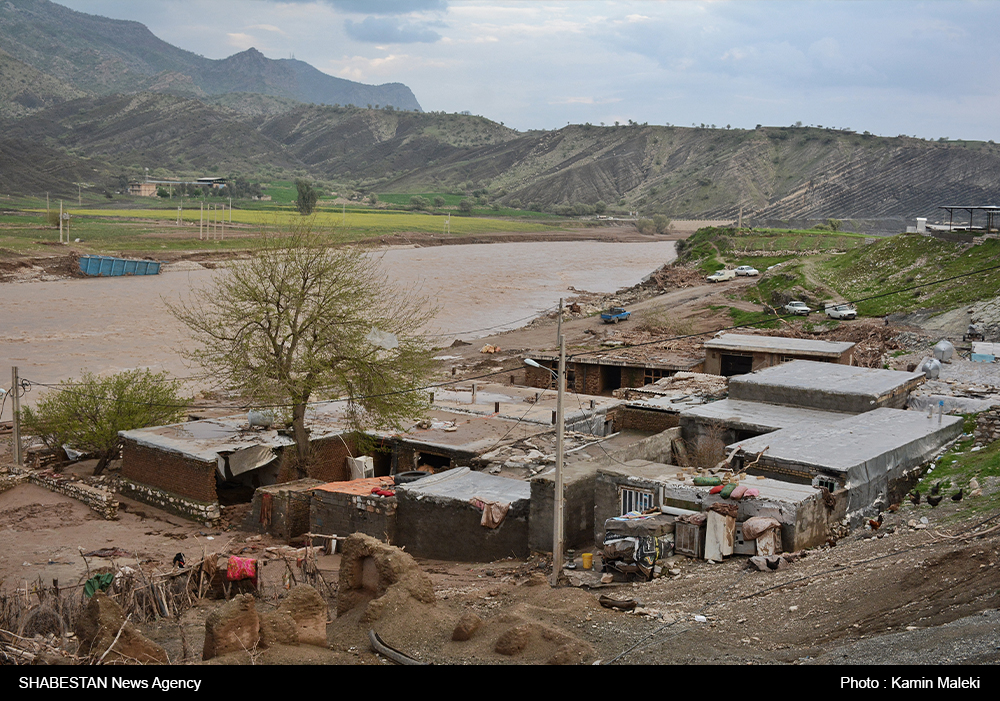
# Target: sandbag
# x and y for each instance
(754, 527)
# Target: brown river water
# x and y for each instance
(54, 329)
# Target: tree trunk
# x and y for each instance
(302, 444)
(104, 460)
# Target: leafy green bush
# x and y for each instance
(88, 414)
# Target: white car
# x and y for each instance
(721, 275)
(842, 311)
(797, 308)
(747, 270)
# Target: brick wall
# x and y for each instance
(170, 472)
(636, 419)
(337, 513)
(328, 461)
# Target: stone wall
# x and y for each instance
(205, 512)
(100, 500)
(988, 426)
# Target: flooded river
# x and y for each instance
(52, 330)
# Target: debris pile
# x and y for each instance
(375, 577)
(238, 627)
(679, 385)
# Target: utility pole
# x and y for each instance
(201, 221)
(557, 518)
(16, 433)
(61, 222)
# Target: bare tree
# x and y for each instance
(304, 319)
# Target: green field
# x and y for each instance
(112, 230)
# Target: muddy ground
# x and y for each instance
(900, 595)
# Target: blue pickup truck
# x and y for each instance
(614, 315)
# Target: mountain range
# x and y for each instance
(100, 56)
(87, 99)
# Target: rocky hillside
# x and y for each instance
(771, 173)
(101, 56)
(686, 173)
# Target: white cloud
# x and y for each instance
(541, 64)
(584, 100)
(241, 41)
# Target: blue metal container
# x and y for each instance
(106, 266)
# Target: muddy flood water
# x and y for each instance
(52, 330)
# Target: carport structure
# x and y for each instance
(991, 212)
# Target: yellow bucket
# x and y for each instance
(588, 560)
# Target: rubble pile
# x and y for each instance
(647, 347)
(679, 385)
(528, 457)
(668, 277)
(986, 316)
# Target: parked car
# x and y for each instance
(721, 276)
(797, 308)
(842, 311)
(615, 314)
(748, 271)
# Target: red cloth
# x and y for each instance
(241, 568)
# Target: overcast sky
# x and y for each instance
(928, 69)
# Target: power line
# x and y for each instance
(489, 328)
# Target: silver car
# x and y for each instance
(747, 270)
(797, 308)
(842, 311)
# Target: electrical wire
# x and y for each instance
(247, 405)
(497, 326)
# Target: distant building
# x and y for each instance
(602, 374)
(138, 189)
(213, 182)
(738, 354)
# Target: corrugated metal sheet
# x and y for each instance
(106, 266)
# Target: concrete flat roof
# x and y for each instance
(853, 441)
(464, 484)
(671, 476)
(518, 403)
(757, 416)
(451, 430)
(845, 386)
(203, 440)
(776, 344)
